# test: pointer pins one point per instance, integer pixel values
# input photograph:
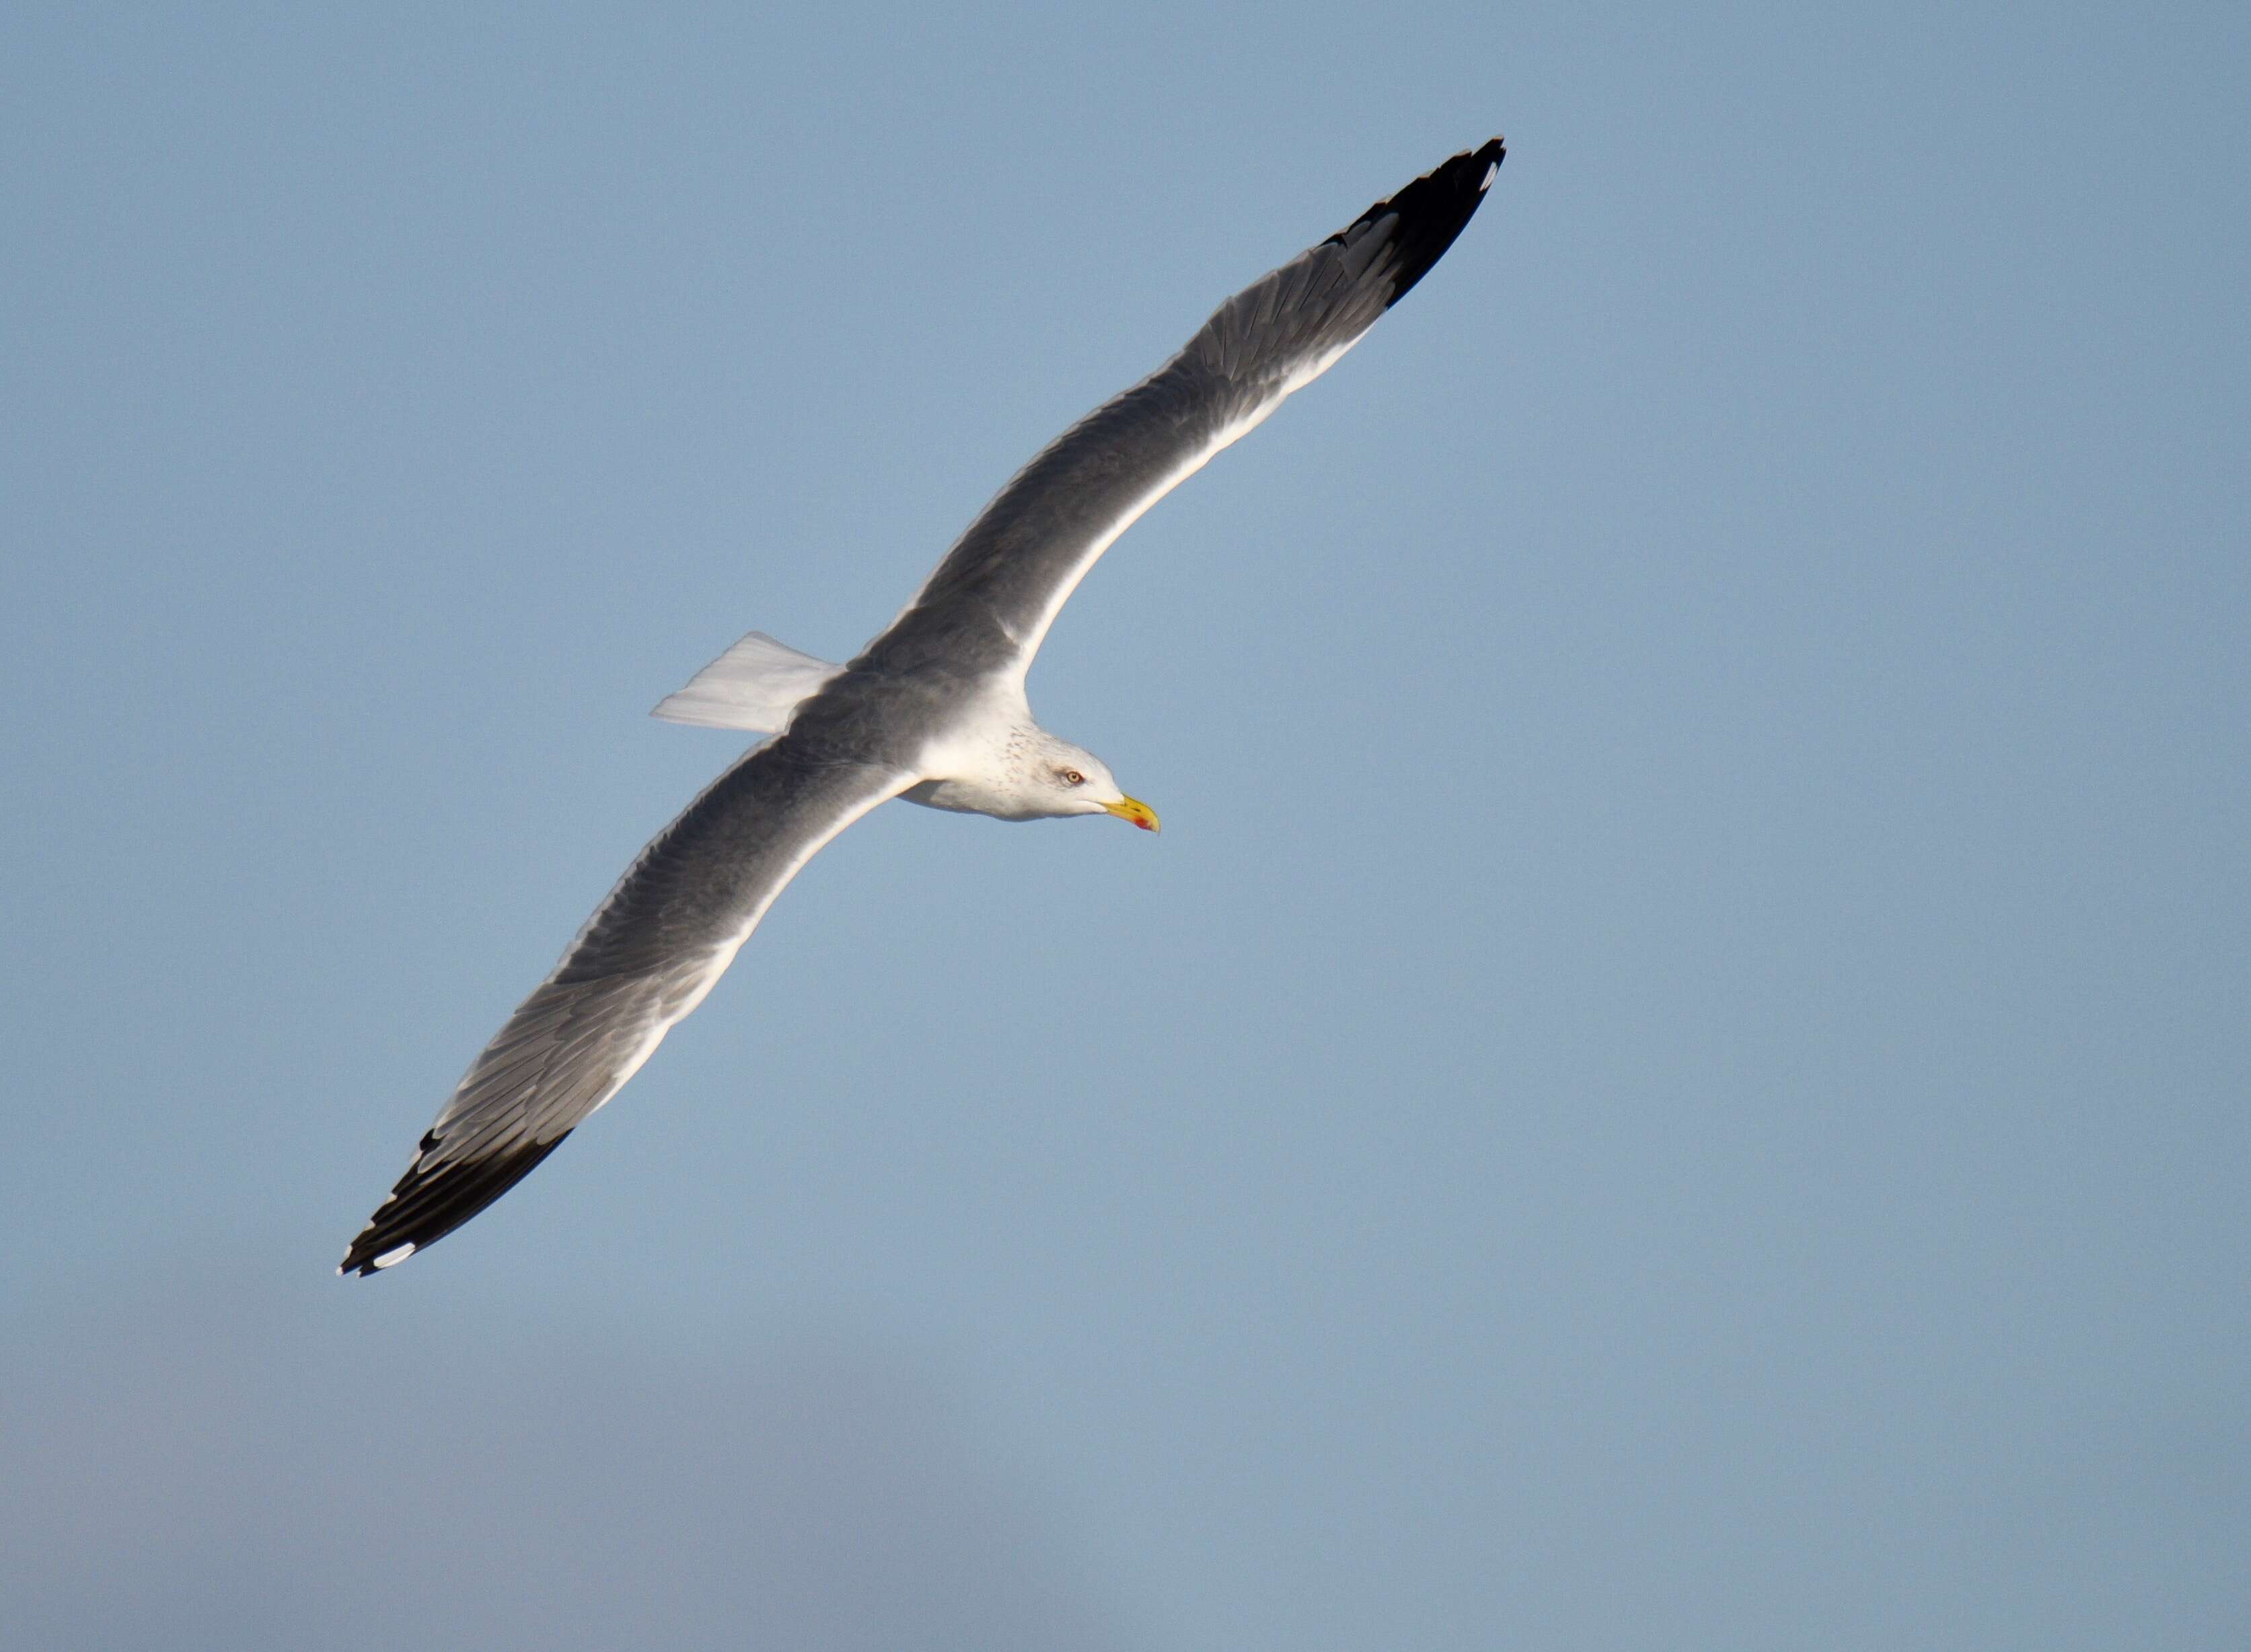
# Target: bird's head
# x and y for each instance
(1069, 779)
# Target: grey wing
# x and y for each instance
(990, 602)
(646, 957)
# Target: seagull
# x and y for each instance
(933, 711)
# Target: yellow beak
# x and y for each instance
(1136, 811)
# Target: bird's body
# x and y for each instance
(933, 710)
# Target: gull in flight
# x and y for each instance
(933, 710)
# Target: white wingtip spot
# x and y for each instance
(391, 1257)
(1491, 171)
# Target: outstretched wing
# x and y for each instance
(643, 962)
(991, 601)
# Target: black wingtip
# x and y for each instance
(1432, 210)
(426, 1205)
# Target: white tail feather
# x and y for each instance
(758, 684)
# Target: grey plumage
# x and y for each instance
(933, 708)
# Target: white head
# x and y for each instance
(1050, 776)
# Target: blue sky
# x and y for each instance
(1675, 1078)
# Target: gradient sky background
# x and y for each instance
(1677, 1078)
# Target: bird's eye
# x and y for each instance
(1072, 777)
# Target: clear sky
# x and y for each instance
(1677, 1077)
